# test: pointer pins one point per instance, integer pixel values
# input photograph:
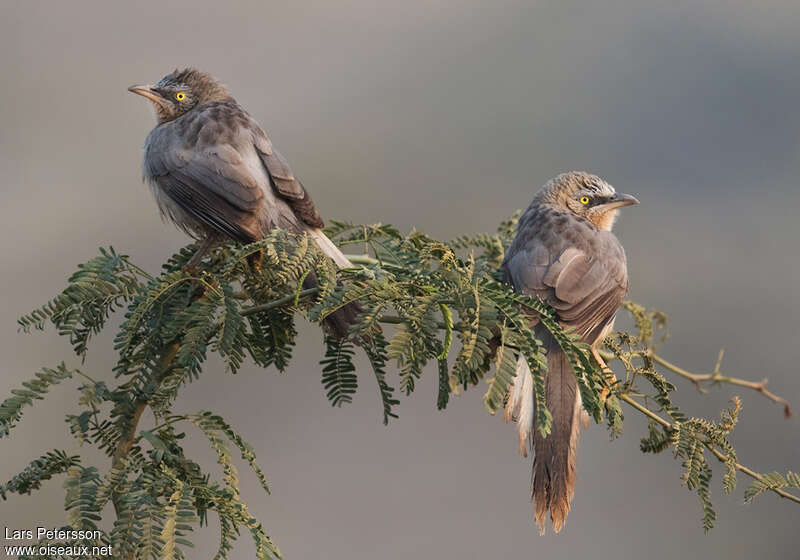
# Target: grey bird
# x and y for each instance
(215, 174)
(565, 254)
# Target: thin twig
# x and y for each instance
(397, 320)
(139, 270)
(644, 410)
(716, 377)
(278, 302)
(79, 372)
(716, 452)
(163, 425)
(713, 378)
(355, 259)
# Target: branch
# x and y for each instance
(355, 259)
(397, 320)
(698, 379)
(128, 438)
(717, 453)
(713, 378)
(278, 302)
(716, 377)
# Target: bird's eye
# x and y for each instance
(584, 200)
(180, 96)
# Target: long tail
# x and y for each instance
(340, 320)
(553, 476)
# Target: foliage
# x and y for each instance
(437, 302)
(772, 481)
(11, 408)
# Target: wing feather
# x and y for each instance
(198, 163)
(287, 186)
(584, 280)
(218, 169)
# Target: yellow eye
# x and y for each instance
(584, 200)
(180, 96)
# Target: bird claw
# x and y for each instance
(611, 379)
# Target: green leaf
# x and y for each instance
(338, 377)
(377, 354)
(41, 469)
(771, 481)
(35, 389)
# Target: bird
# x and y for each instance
(215, 174)
(565, 254)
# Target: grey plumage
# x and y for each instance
(565, 254)
(220, 174)
(215, 174)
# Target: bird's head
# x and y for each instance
(587, 196)
(181, 91)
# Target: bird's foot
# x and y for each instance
(192, 266)
(255, 261)
(611, 379)
(190, 270)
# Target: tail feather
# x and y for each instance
(337, 323)
(540, 480)
(328, 247)
(520, 405)
(554, 463)
(555, 458)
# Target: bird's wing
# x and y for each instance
(200, 165)
(284, 183)
(585, 287)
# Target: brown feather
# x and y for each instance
(555, 457)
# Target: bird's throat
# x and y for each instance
(605, 220)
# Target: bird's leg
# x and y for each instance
(599, 359)
(610, 377)
(255, 261)
(205, 246)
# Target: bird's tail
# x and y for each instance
(340, 320)
(553, 476)
(328, 247)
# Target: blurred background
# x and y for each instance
(445, 116)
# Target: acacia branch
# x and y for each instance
(355, 259)
(280, 302)
(709, 445)
(714, 378)
(129, 437)
(127, 440)
(698, 379)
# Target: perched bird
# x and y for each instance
(564, 253)
(215, 174)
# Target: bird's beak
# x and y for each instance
(620, 200)
(148, 91)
